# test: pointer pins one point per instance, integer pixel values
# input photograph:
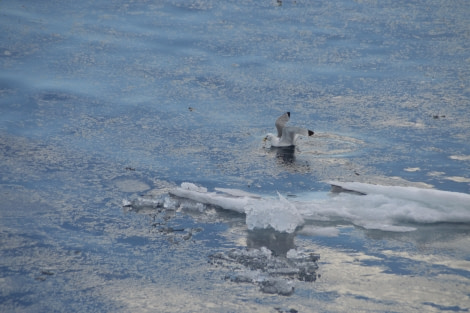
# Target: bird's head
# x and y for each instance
(268, 137)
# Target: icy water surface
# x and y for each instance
(106, 107)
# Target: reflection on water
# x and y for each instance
(285, 155)
(278, 243)
(402, 283)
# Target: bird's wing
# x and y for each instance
(289, 134)
(281, 122)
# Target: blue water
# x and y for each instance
(102, 101)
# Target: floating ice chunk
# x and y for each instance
(387, 208)
(280, 214)
(131, 185)
(126, 203)
(200, 194)
(169, 203)
(265, 251)
(302, 256)
(192, 206)
(292, 254)
(237, 193)
(410, 204)
(273, 274)
(277, 286)
(143, 203)
(193, 187)
(245, 277)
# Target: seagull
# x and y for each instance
(286, 135)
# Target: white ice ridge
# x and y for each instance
(387, 208)
(260, 212)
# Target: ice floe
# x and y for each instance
(387, 208)
(261, 212)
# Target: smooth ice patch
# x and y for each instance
(131, 185)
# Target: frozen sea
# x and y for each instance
(108, 107)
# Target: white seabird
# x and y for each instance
(286, 135)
